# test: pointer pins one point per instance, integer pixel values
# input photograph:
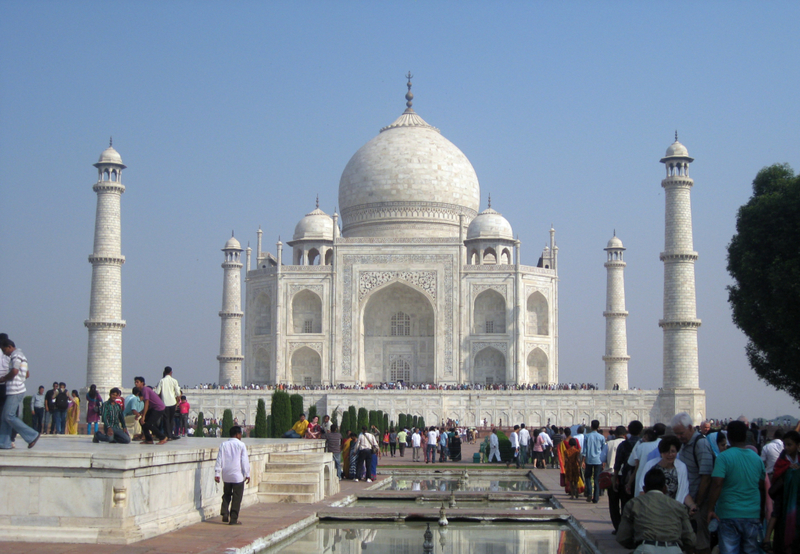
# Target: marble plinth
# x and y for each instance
(67, 489)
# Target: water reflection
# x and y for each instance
(451, 484)
(458, 538)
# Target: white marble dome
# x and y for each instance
(316, 225)
(232, 244)
(490, 225)
(110, 156)
(614, 242)
(676, 149)
(409, 181)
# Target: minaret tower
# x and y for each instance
(105, 323)
(680, 321)
(616, 357)
(230, 337)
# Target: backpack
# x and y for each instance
(62, 400)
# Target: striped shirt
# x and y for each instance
(18, 361)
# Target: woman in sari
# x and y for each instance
(347, 455)
(572, 467)
(563, 447)
(314, 430)
(73, 411)
(785, 493)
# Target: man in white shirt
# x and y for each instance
(494, 446)
(548, 446)
(771, 451)
(514, 446)
(14, 378)
(170, 392)
(524, 440)
(416, 441)
(432, 440)
(233, 468)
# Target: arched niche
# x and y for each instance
(306, 312)
(262, 323)
(489, 256)
(398, 323)
(489, 314)
(538, 367)
(489, 366)
(538, 319)
(306, 367)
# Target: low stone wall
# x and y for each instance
(68, 489)
(535, 408)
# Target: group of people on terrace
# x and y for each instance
(406, 386)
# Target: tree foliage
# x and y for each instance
(363, 419)
(401, 421)
(312, 412)
(296, 401)
(421, 422)
(335, 417)
(353, 419)
(27, 416)
(385, 422)
(227, 423)
(261, 421)
(764, 261)
(198, 431)
(281, 410)
(346, 427)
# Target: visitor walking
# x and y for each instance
(233, 469)
(14, 376)
(170, 392)
(37, 410)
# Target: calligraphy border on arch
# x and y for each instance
(349, 293)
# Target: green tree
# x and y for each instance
(385, 422)
(261, 420)
(414, 421)
(296, 401)
(353, 419)
(335, 417)
(379, 419)
(281, 410)
(421, 422)
(363, 419)
(312, 412)
(401, 421)
(506, 452)
(227, 423)
(373, 418)
(764, 261)
(270, 428)
(27, 416)
(199, 431)
(346, 427)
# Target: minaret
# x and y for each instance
(680, 321)
(105, 323)
(230, 337)
(616, 357)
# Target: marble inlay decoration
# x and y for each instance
(368, 280)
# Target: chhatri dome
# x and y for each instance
(409, 181)
(110, 156)
(490, 225)
(676, 150)
(315, 225)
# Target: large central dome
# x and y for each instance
(409, 181)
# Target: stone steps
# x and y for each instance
(286, 497)
(289, 477)
(293, 468)
(292, 477)
(298, 457)
(284, 487)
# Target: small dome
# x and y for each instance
(232, 244)
(490, 225)
(676, 150)
(614, 242)
(110, 156)
(316, 225)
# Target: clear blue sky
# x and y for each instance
(232, 115)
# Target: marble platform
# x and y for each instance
(67, 489)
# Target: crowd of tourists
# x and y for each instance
(404, 386)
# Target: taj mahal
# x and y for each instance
(412, 283)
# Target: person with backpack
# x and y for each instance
(94, 403)
(61, 406)
(622, 469)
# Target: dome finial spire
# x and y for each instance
(317, 201)
(409, 94)
(490, 199)
(676, 135)
(110, 141)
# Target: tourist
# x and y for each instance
(737, 494)
(698, 456)
(524, 442)
(333, 444)
(14, 376)
(183, 410)
(416, 443)
(351, 454)
(376, 453)
(402, 437)
(364, 447)
(654, 522)
(132, 412)
(514, 438)
(50, 409)
(152, 413)
(785, 493)
(674, 470)
(298, 430)
(444, 442)
(326, 423)
(385, 442)
(557, 437)
(170, 392)
(93, 404)
(62, 405)
(431, 450)
(313, 431)
(644, 450)
(538, 449)
(111, 414)
(561, 452)
(423, 443)
(37, 410)
(73, 413)
(771, 451)
(494, 447)
(572, 467)
(614, 504)
(392, 441)
(233, 468)
(548, 447)
(591, 454)
(705, 428)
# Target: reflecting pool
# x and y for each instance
(461, 503)
(453, 483)
(456, 538)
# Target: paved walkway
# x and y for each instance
(261, 520)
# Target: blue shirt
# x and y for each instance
(742, 471)
(133, 403)
(593, 448)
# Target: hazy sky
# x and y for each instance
(232, 115)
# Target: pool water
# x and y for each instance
(457, 538)
(461, 503)
(472, 484)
